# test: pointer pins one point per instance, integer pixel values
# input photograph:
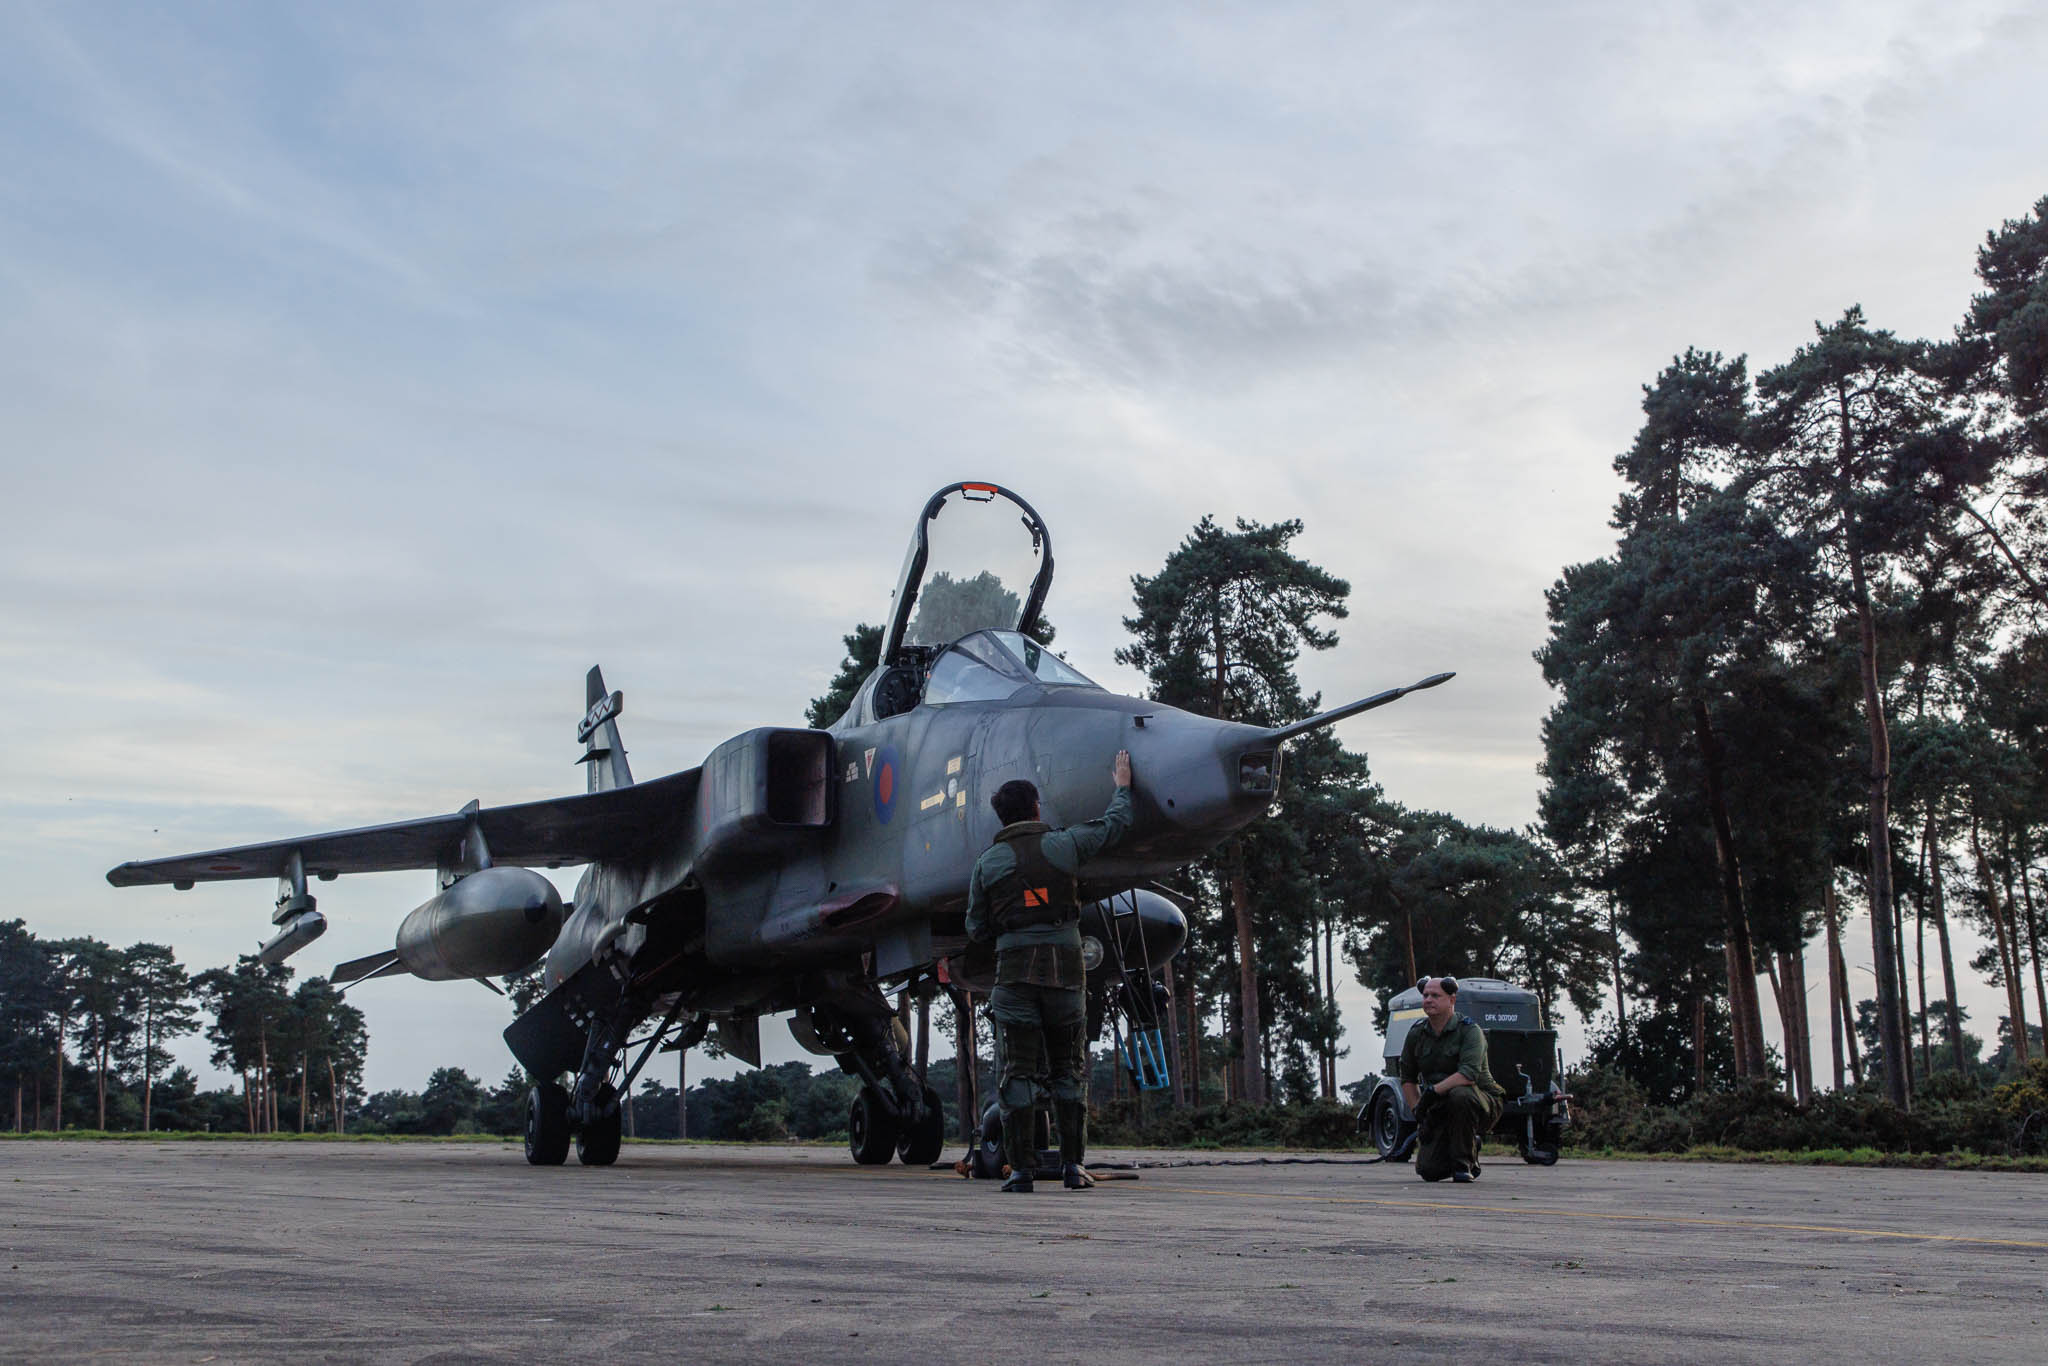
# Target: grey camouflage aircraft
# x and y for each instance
(801, 871)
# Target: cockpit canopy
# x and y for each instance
(982, 666)
(991, 665)
(979, 559)
(974, 579)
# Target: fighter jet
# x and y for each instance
(800, 871)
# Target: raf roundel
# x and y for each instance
(885, 780)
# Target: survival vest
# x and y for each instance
(1036, 892)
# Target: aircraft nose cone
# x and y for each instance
(1196, 774)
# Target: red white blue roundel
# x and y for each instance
(885, 779)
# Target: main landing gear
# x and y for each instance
(590, 1111)
(894, 1115)
(548, 1129)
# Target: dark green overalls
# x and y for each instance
(1453, 1124)
(1023, 896)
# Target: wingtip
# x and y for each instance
(1435, 679)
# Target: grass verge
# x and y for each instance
(1828, 1157)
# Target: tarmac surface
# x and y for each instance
(418, 1252)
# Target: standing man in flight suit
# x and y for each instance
(1448, 1085)
(1023, 895)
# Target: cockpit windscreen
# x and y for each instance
(983, 558)
(1043, 664)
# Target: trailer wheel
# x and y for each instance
(1545, 1155)
(1390, 1133)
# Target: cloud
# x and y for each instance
(365, 375)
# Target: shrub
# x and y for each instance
(2023, 1105)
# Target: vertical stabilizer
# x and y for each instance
(603, 751)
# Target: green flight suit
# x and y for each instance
(1452, 1124)
(1038, 1008)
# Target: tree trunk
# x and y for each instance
(304, 1063)
(1743, 1006)
(1891, 1024)
(1336, 1015)
(63, 1018)
(248, 1101)
(1194, 1038)
(1791, 1085)
(682, 1093)
(1891, 1027)
(1952, 1008)
(148, 1057)
(1905, 995)
(1315, 977)
(2034, 939)
(1845, 1005)
(99, 1055)
(2019, 940)
(1247, 982)
(1920, 969)
(1834, 950)
(2016, 1018)
(1740, 1035)
(1805, 1017)
(1173, 1050)
(265, 1109)
(1620, 997)
(334, 1093)
(1408, 935)
(1699, 1043)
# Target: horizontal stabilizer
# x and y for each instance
(356, 970)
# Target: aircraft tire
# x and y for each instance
(870, 1130)
(922, 1144)
(547, 1125)
(597, 1145)
(986, 1161)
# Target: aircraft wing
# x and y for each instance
(582, 828)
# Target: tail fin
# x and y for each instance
(599, 732)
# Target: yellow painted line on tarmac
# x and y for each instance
(1685, 1220)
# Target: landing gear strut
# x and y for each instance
(894, 1113)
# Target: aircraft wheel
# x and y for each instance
(597, 1145)
(1388, 1132)
(547, 1125)
(986, 1161)
(870, 1130)
(921, 1144)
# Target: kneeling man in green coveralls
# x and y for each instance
(1448, 1085)
(1024, 896)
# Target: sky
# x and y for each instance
(368, 372)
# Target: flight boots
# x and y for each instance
(1019, 1146)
